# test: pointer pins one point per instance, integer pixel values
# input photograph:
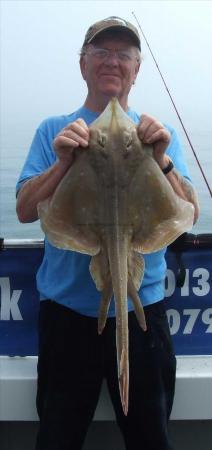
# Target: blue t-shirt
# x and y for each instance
(64, 275)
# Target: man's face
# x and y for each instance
(112, 74)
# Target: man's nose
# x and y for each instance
(112, 58)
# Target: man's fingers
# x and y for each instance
(144, 125)
(150, 130)
(79, 127)
(158, 135)
(76, 134)
(72, 136)
(69, 138)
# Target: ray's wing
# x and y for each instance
(69, 217)
(159, 216)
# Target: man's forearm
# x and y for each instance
(37, 189)
(184, 190)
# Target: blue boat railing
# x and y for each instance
(188, 291)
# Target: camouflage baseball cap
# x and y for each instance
(112, 23)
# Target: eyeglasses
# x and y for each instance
(124, 56)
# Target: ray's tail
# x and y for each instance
(117, 254)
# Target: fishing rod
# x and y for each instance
(173, 103)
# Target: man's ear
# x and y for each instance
(83, 66)
(137, 68)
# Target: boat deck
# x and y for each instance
(190, 427)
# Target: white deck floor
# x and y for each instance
(193, 398)
(190, 427)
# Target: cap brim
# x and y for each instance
(117, 27)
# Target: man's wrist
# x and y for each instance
(168, 167)
(162, 160)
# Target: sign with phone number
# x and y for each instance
(189, 307)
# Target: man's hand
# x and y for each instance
(151, 131)
(72, 136)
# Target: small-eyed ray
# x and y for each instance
(115, 204)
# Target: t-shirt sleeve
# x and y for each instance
(40, 157)
(176, 153)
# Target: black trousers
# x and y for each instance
(74, 359)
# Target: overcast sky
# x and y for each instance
(41, 41)
(40, 76)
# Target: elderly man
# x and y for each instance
(73, 358)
